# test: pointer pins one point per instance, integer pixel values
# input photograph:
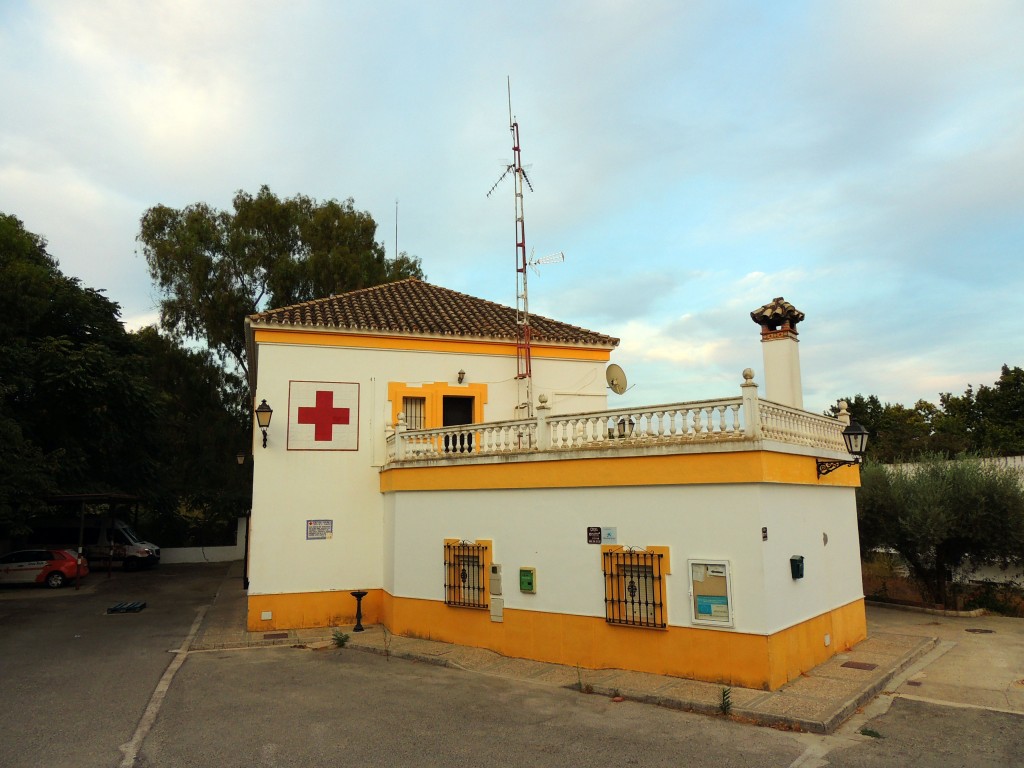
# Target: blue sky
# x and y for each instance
(693, 160)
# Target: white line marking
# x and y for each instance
(131, 749)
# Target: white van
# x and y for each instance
(103, 539)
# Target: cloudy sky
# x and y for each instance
(693, 160)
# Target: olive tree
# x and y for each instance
(943, 516)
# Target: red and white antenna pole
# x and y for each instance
(524, 372)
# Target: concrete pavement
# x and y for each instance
(942, 659)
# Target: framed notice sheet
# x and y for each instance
(711, 592)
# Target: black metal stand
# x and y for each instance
(359, 610)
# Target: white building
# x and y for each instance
(694, 539)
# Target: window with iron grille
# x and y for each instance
(465, 566)
(634, 588)
(415, 409)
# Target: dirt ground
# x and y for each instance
(886, 580)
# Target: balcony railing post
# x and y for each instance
(543, 437)
(400, 437)
(844, 414)
(751, 410)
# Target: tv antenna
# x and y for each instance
(524, 369)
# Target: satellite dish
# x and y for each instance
(616, 379)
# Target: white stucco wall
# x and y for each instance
(798, 518)
(546, 529)
(291, 487)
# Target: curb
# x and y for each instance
(972, 614)
(845, 710)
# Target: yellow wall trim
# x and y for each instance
(605, 471)
(426, 344)
(433, 393)
(718, 656)
(304, 610)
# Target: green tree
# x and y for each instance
(896, 431)
(87, 407)
(943, 517)
(213, 268)
(991, 419)
(75, 408)
(199, 489)
(987, 421)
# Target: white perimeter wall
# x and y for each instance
(291, 487)
(208, 554)
(546, 529)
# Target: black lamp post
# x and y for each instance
(263, 414)
(856, 439)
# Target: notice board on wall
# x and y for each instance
(711, 592)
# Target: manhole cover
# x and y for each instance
(981, 631)
(860, 665)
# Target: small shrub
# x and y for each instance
(340, 638)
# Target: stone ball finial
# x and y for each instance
(748, 374)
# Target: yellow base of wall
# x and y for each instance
(730, 658)
(303, 610)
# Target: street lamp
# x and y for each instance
(856, 439)
(263, 414)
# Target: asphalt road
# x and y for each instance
(75, 685)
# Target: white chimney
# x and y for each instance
(781, 355)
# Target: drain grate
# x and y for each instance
(981, 631)
(127, 607)
(275, 636)
(860, 665)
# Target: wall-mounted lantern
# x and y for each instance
(856, 439)
(462, 376)
(263, 414)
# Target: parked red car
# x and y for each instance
(52, 567)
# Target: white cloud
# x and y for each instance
(865, 160)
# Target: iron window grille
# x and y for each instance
(634, 588)
(464, 567)
(415, 409)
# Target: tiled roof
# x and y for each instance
(777, 312)
(413, 306)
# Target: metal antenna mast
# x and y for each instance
(523, 365)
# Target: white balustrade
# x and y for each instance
(704, 421)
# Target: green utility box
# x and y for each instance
(528, 580)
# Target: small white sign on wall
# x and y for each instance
(319, 529)
(609, 535)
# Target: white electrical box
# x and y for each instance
(495, 579)
(497, 609)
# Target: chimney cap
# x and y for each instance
(776, 314)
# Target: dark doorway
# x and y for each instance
(456, 411)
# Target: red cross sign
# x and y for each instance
(323, 416)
